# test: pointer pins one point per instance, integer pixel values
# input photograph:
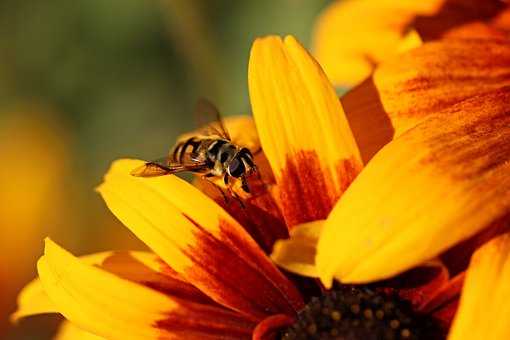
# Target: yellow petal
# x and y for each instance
(198, 240)
(484, 310)
(104, 304)
(409, 41)
(242, 130)
(302, 128)
(33, 300)
(68, 331)
(98, 301)
(297, 254)
(352, 36)
(405, 90)
(437, 184)
(146, 269)
(141, 267)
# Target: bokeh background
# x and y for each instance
(84, 82)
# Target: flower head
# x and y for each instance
(209, 276)
(441, 181)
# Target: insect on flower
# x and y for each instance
(208, 151)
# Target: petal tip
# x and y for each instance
(53, 252)
(99, 188)
(290, 39)
(266, 40)
(327, 281)
(325, 277)
(49, 245)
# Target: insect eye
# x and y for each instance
(236, 168)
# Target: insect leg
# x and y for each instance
(256, 152)
(259, 176)
(246, 155)
(232, 192)
(244, 184)
(206, 177)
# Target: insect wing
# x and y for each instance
(163, 167)
(209, 118)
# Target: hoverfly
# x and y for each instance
(208, 152)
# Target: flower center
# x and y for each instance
(352, 313)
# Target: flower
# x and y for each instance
(353, 36)
(210, 278)
(433, 128)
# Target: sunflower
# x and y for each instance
(384, 237)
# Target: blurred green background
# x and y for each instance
(87, 81)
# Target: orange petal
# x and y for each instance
(269, 328)
(370, 123)
(405, 90)
(502, 21)
(104, 304)
(419, 284)
(302, 129)
(446, 314)
(475, 30)
(446, 293)
(436, 185)
(259, 213)
(199, 240)
(437, 75)
(455, 14)
(484, 310)
(429, 289)
(443, 304)
(353, 36)
(260, 217)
